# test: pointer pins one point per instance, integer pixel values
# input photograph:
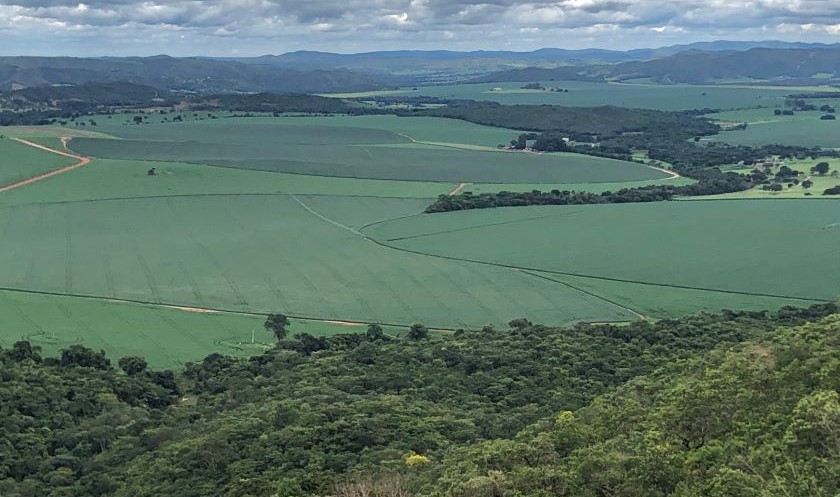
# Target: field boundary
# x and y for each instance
(83, 161)
(587, 292)
(215, 310)
(594, 277)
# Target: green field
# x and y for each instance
(109, 179)
(804, 129)
(586, 94)
(731, 246)
(267, 253)
(19, 161)
(166, 337)
(108, 247)
(344, 151)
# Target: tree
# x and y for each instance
(374, 332)
(132, 365)
(138, 119)
(807, 184)
(821, 168)
(277, 323)
(418, 332)
(519, 323)
(81, 356)
(834, 190)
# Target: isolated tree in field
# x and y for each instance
(821, 168)
(277, 323)
(807, 184)
(138, 119)
(132, 365)
(418, 332)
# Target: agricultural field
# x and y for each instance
(21, 161)
(704, 245)
(351, 152)
(187, 261)
(638, 95)
(165, 336)
(804, 129)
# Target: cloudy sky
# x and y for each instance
(255, 27)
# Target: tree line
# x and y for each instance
(473, 413)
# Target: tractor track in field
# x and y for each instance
(83, 161)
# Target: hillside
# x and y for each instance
(182, 74)
(527, 411)
(435, 65)
(799, 66)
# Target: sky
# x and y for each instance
(257, 27)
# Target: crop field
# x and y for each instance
(261, 253)
(100, 255)
(804, 129)
(343, 151)
(167, 337)
(20, 161)
(729, 246)
(586, 94)
(330, 129)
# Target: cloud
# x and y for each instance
(260, 26)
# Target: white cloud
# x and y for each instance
(259, 26)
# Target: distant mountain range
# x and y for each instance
(449, 63)
(184, 74)
(320, 72)
(815, 65)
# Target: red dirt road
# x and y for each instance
(83, 161)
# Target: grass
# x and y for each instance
(19, 161)
(319, 150)
(586, 94)
(820, 183)
(265, 254)
(756, 247)
(166, 337)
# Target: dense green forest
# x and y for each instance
(737, 403)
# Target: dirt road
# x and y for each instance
(83, 161)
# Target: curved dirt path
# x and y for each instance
(457, 189)
(83, 161)
(671, 174)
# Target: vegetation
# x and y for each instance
(617, 133)
(451, 415)
(675, 244)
